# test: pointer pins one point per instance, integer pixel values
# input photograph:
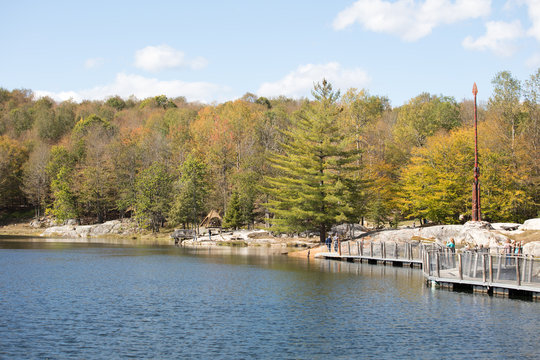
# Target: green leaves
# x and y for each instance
(153, 188)
(312, 189)
(191, 192)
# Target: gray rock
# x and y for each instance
(505, 226)
(106, 228)
(531, 224)
(473, 234)
(478, 225)
(532, 248)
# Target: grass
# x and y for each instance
(526, 236)
(233, 243)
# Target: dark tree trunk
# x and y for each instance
(322, 235)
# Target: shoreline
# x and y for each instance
(23, 232)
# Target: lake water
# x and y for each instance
(78, 300)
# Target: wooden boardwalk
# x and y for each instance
(371, 259)
(499, 275)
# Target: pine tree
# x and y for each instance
(315, 186)
(233, 217)
(190, 201)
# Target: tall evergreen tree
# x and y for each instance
(190, 201)
(233, 216)
(314, 186)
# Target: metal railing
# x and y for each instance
(503, 269)
(389, 250)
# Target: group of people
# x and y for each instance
(329, 241)
(510, 247)
(513, 247)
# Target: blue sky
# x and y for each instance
(213, 51)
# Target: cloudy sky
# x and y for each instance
(219, 50)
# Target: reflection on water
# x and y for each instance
(62, 300)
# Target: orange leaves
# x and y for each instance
(133, 136)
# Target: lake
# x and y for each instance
(80, 300)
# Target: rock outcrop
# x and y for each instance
(531, 224)
(505, 226)
(472, 233)
(113, 227)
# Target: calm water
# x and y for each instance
(104, 301)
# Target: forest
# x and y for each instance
(296, 164)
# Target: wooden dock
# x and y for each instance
(498, 275)
(371, 259)
(477, 272)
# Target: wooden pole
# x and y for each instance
(490, 264)
(460, 267)
(499, 264)
(438, 264)
(475, 264)
(531, 262)
(518, 277)
(484, 268)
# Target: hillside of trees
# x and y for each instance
(296, 164)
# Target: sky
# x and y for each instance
(215, 51)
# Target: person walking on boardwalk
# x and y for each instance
(336, 242)
(329, 243)
(451, 245)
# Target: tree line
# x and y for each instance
(296, 164)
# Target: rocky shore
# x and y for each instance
(471, 234)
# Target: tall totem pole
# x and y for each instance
(476, 213)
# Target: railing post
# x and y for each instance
(407, 251)
(371, 248)
(382, 250)
(438, 264)
(484, 277)
(499, 264)
(349, 247)
(531, 262)
(460, 267)
(490, 264)
(425, 256)
(357, 248)
(475, 264)
(396, 251)
(518, 275)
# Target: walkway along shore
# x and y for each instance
(475, 271)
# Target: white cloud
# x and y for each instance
(534, 15)
(409, 19)
(94, 63)
(498, 38)
(142, 87)
(299, 82)
(155, 58)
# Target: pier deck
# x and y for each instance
(493, 274)
(371, 259)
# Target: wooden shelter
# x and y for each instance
(212, 220)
